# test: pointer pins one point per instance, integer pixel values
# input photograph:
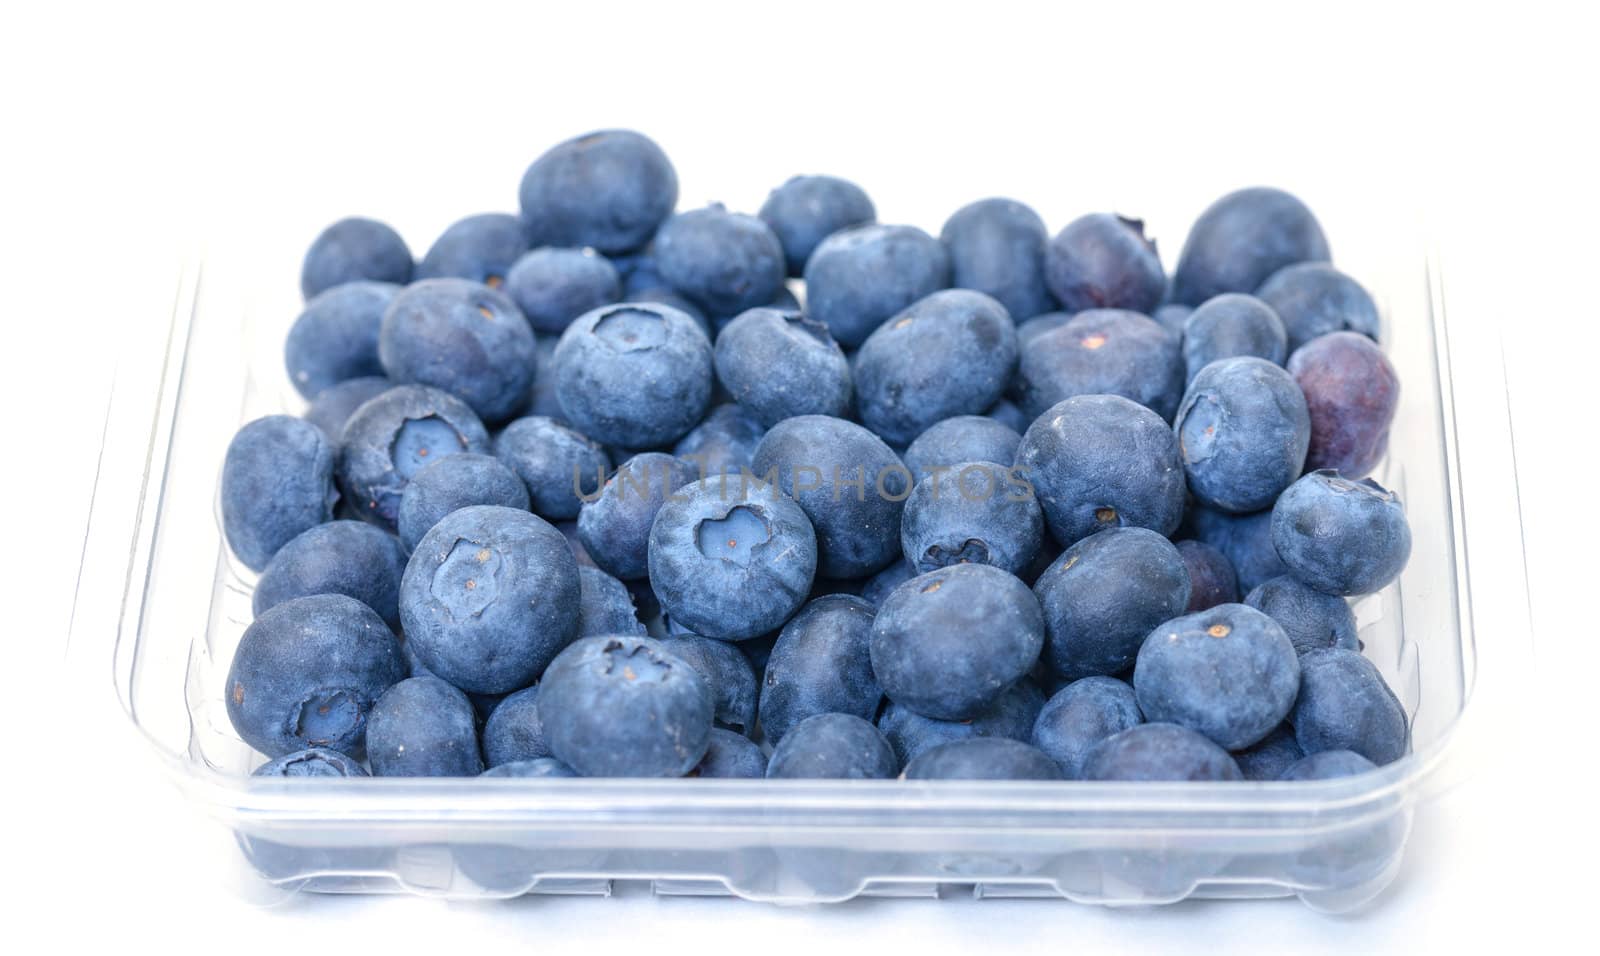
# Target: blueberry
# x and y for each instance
(1173, 317)
(723, 443)
(808, 209)
(849, 484)
(1079, 716)
(1346, 856)
(780, 364)
(1341, 536)
(452, 483)
(554, 286)
(1012, 717)
(1101, 461)
(1104, 261)
(728, 562)
(879, 585)
(489, 597)
(961, 438)
(997, 247)
(423, 727)
(1243, 430)
(977, 513)
(983, 758)
(731, 756)
(1211, 577)
(1230, 325)
(479, 248)
(537, 767)
(671, 299)
(625, 707)
(1156, 752)
(605, 606)
(1102, 352)
(634, 375)
(1269, 757)
(513, 733)
(1243, 238)
(1314, 299)
(1328, 765)
(307, 672)
(821, 664)
(1313, 620)
(1104, 595)
(609, 189)
(463, 338)
(277, 481)
(1246, 540)
(615, 525)
(1344, 704)
(951, 353)
(1351, 393)
(1008, 414)
(336, 336)
(833, 746)
(1228, 672)
(313, 762)
(391, 437)
(341, 557)
(638, 272)
(859, 277)
(334, 405)
(1030, 328)
(725, 262)
(561, 468)
(728, 675)
(351, 250)
(544, 399)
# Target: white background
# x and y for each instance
(129, 132)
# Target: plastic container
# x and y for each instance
(164, 604)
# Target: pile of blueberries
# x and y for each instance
(587, 491)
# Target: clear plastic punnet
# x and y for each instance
(161, 605)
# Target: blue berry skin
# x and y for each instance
(723, 261)
(723, 443)
(1104, 595)
(1312, 620)
(1079, 716)
(949, 643)
(1269, 757)
(1243, 431)
(1102, 352)
(731, 756)
(634, 375)
(671, 299)
(334, 405)
(615, 526)
(879, 585)
(778, 364)
(1030, 328)
(390, 438)
(625, 707)
(1230, 325)
(1008, 414)
(1229, 673)
(1344, 704)
(544, 399)
(452, 483)
(1159, 752)
(277, 481)
(609, 190)
(463, 338)
(423, 727)
(727, 673)
(1246, 540)
(1314, 299)
(605, 605)
(951, 353)
(835, 747)
(728, 562)
(1243, 238)
(543, 767)
(1340, 536)
(997, 247)
(977, 513)
(560, 467)
(1101, 461)
(313, 762)
(489, 597)
(307, 672)
(1011, 717)
(1211, 577)
(1104, 261)
(341, 557)
(859, 277)
(850, 485)
(821, 664)
(1352, 392)
(554, 286)
(983, 758)
(513, 733)
(1328, 765)
(1173, 317)
(808, 209)
(961, 438)
(336, 336)
(351, 250)
(479, 248)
